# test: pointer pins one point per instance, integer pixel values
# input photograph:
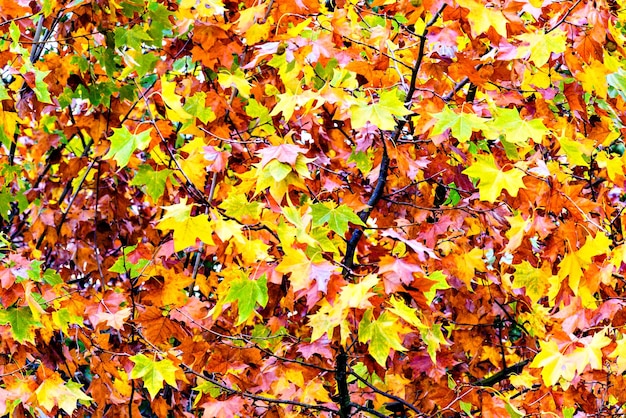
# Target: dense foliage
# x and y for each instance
(291, 208)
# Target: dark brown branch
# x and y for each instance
(502, 374)
(248, 395)
(560, 22)
(369, 410)
(341, 376)
(348, 260)
(386, 394)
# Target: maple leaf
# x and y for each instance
(22, 322)
(536, 281)
(515, 234)
(247, 293)
(493, 180)
(461, 124)
(482, 18)
(540, 46)
(337, 217)
(153, 372)
(54, 391)
(236, 80)
(439, 283)
(175, 110)
(196, 106)
(223, 409)
(152, 179)
(381, 334)
(381, 113)
(187, 229)
(591, 352)
(284, 153)
(516, 130)
(124, 144)
(298, 265)
(553, 364)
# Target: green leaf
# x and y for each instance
(336, 216)
(440, 284)
(382, 335)
(153, 180)
(22, 323)
(123, 144)
(41, 89)
(3, 92)
(516, 130)
(381, 113)
(617, 83)
(461, 124)
(237, 206)
(123, 265)
(247, 293)
(364, 161)
(153, 373)
(132, 38)
(196, 106)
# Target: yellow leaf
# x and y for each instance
(299, 265)
(482, 18)
(175, 110)
(533, 279)
(598, 245)
(542, 45)
(236, 80)
(314, 392)
(593, 78)
(553, 364)
(614, 166)
(515, 234)
(381, 113)
(619, 354)
(571, 266)
(493, 180)
(186, 228)
(195, 164)
(467, 263)
(325, 320)
(591, 353)
(356, 295)
(54, 391)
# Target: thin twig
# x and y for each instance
(560, 22)
(386, 394)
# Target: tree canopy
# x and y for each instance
(282, 208)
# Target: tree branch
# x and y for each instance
(502, 374)
(341, 376)
(386, 394)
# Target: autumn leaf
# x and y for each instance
(553, 364)
(381, 335)
(247, 293)
(380, 113)
(493, 180)
(337, 217)
(187, 229)
(153, 180)
(153, 373)
(124, 144)
(54, 391)
(516, 130)
(22, 323)
(461, 124)
(298, 264)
